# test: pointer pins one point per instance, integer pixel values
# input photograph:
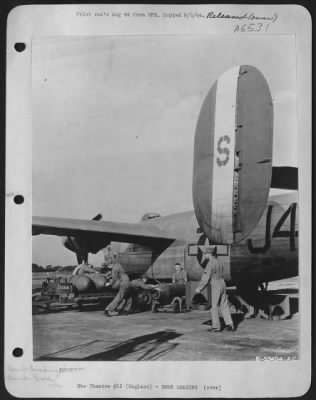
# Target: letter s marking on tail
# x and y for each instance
(223, 150)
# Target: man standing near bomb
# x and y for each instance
(214, 274)
(180, 276)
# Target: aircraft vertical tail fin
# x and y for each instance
(233, 155)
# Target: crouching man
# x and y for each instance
(120, 281)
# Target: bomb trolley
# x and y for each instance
(56, 294)
(60, 294)
(169, 297)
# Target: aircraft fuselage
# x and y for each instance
(269, 253)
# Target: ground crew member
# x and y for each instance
(120, 281)
(214, 273)
(108, 273)
(130, 298)
(108, 257)
(180, 276)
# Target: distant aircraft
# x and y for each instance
(255, 235)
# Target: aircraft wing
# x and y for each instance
(284, 178)
(141, 233)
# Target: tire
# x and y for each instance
(154, 307)
(176, 307)
(147, 298)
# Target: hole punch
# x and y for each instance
(19, 47)
(17, 352)
(18, 199)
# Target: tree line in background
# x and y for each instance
(50, 268)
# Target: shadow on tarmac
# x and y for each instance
(142, 348)
(237, 319)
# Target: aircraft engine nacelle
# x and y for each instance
(233, 155)
(81, 245)
(71, 244)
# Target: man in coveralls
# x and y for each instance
(214, 273)
(120, 281)
(180, 276)
(131, 293)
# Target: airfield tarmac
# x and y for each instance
(89, 336)
(165, 336)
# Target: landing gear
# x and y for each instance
(252, 300)
(273, 305)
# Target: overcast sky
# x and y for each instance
(114, 121)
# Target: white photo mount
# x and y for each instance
(39, 26)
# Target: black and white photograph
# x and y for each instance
(165, 189)
(117, 126)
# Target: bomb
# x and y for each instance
(165, 293)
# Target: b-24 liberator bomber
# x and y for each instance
(256, 234)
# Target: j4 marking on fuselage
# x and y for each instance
(270, 250)
(282, 229)
(290, 233)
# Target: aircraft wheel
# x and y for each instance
(80, 306)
